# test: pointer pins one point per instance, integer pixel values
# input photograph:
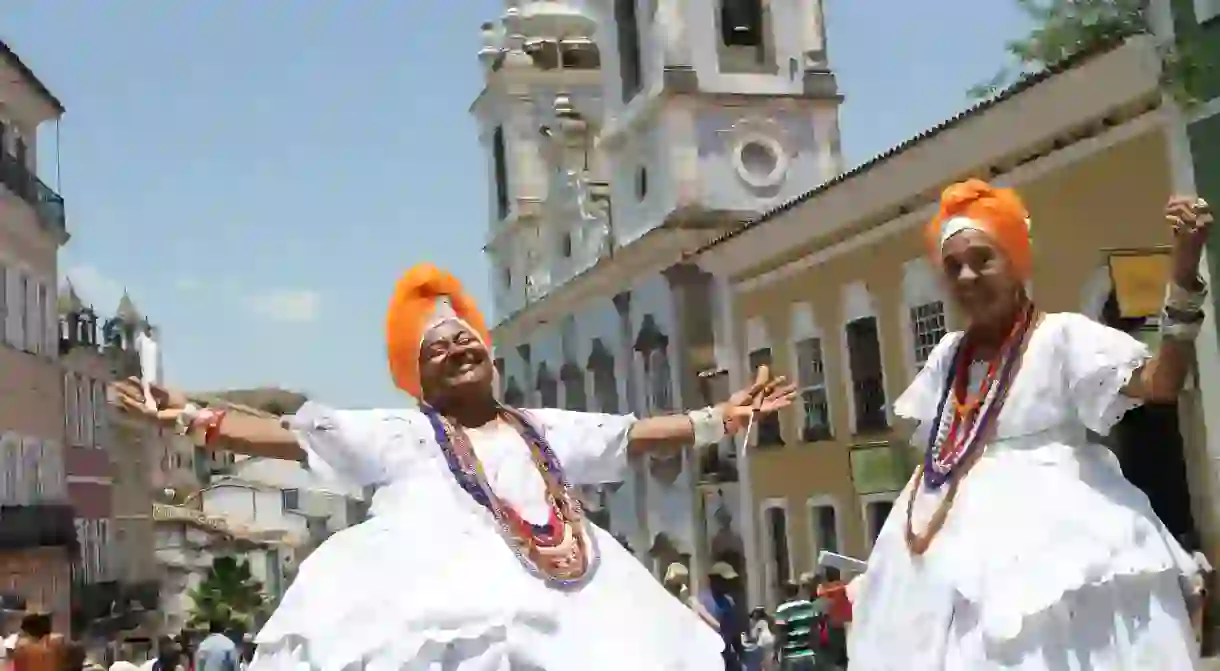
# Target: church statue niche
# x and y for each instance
(571, 197)
(741, 22)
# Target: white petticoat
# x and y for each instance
(428, 582)
(383, 595)
(1049, 560)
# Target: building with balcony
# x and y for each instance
(608, 154)
(834, 287)
(87, 370)
(37, 550)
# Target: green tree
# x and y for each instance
(229, 594)
(1064, 28)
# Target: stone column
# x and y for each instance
(729, 358)
(642, 542)
(685, 281)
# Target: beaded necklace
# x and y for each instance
(969, 425)
(962, 418)
(560, 551)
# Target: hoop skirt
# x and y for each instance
(428, 583)
(1049, 559)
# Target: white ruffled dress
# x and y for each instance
(429, 583)
(1049, 560)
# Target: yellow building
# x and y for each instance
(834, 289)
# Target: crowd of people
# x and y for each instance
(34, 645)
(805, 632)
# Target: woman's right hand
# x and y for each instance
(129, 396)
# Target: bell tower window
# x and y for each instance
(630, 68)
(500, 165)
(741, 23)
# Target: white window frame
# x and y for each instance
(859, 303)
(4, 306)
(920, 287)
(1206, 10)
(21, 310)
(865, 501)
(70, 408)
(84, 413)
(42, 325)
(284, 495)
(10, 455)
(812, 505)
(803, 326)
(916, 363)
(99, 408)
(757, 337)
(770, 568)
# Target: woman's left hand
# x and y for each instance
(1190, 217)
(765, 396)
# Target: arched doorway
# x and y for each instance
(1149, 444)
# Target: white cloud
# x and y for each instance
(187, 284)
(287, 305)
(94, 287)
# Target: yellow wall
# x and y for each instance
(1112, 199)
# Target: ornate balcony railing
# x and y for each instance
(48, 205)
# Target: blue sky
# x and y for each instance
(257, 174)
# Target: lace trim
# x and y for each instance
(1101, 402)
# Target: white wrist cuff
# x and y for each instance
(1183, 300)
(708, 424)
(1177, 330)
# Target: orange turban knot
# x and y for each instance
(413, 309)
(997, 212)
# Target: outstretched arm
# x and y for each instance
(674, 432)
(1162, 378)
(240, 432)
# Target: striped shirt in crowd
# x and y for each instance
(796, 619)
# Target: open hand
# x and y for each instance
(129, 396)
(1190, 217)
(766, 395)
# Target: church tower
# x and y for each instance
(538, 115)
(716, 109)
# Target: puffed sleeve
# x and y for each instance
(920, 400)
(350, 446)
(591, 447)
(1097, 362)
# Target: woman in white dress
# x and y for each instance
(1018, 544)
(477, 556)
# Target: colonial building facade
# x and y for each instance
(619, 133)
(835, 286)
(37, 535)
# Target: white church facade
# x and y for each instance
(620, 134)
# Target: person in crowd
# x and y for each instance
(217, 651)
(478, 554)
(677, 583)
(719, 599)
(38, 647)
(760, 653)
(799, 626)
(168, 656)
(74, 657)
(1018, 544)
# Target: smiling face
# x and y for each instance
(454, 363)
(980, 277)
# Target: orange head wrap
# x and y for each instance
(414, 310)
(975, 204)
